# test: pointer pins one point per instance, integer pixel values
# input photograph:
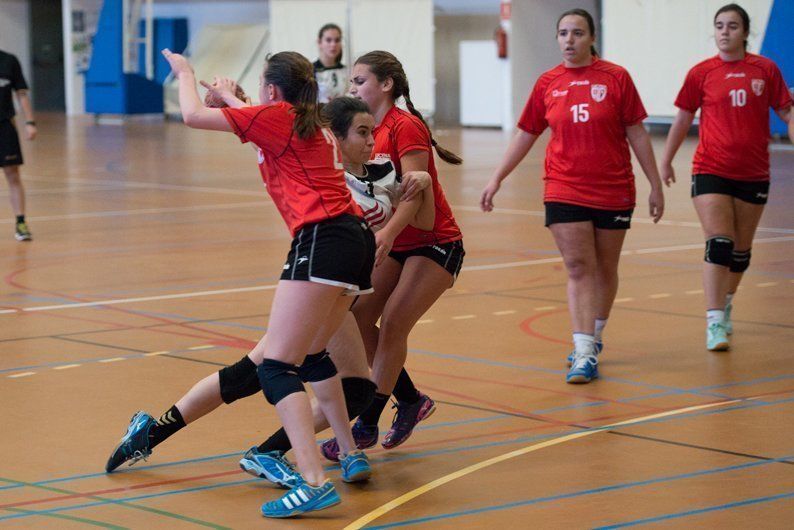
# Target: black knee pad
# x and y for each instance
(317, 367)
(740, 260)
(719, 250)
(359, 393)
(278, 380)
(239, 380)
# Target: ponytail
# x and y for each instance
(294, 75)
(384, 65)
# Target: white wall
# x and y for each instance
(658, 41)
(201, 12)
(532, 44)
(14, 34)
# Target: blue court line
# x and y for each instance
(413, 456)
(94, 361)
(580, 493)
(410, 456)
(235, 454)
(720, 507)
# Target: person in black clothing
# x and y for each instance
(12, 80)
(329, 71)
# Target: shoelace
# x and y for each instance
(137, 456)
(580, 360)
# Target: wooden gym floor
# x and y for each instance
(156, 250)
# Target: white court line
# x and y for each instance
(152, 354)
(694, 291)
(508, 312)
(137, 184)
(493, 266)
(65, 366)
(21, 374)
(113, 360)
(144, 211)
(546, 308)
(766, 284)
(660, 295)
(464, 317)
(641, 220)
(426, 321)
(621, 300)
(204, 347)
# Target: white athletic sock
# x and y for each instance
(729, 299)
(715, 316)
(583, 344)
(600, 324)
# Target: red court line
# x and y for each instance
(542, 389)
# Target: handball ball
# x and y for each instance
(217, 103)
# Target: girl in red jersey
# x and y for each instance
(421, 264)
(331, 256)
(730, 172)
(592, 108)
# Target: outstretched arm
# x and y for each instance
(194, 113)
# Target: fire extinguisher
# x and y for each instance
(500, 36)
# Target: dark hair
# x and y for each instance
(587, 17)
(294, 75)
(736, 8)
(385, 65)
(339, 112)
(332, 26)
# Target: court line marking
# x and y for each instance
(493, 266)
(23, 374)
(407, 497)
(581, 493)
(464, 317)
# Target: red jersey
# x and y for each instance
(401, 132)
(734, 99)
(305, 178)
(588, 109)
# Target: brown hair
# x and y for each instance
(385, 65)
(739, 10)
(332, 26)
(590, 24)
(294, 75)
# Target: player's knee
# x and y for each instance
(278, 380)
(740, 260)
(719, 250)
(359, 393)
(317, 367)
(238, 380)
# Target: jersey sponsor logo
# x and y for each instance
(598, 92)
(439, 250)
(622, 219)
(260, 156)
(758, 86)
(760, 195)
(559, 93)
(579, 83)
(382, 156)
(4, 82)
(302, 259)
(735, 74)
(285, 267)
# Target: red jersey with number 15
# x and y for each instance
(734, 99)
(305, 178)
(588, 109)
(401, 132)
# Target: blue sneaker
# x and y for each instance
(717, 337)
(726, 322)
(302, 499)
(355, 466)
(584, 369)
(599, 345)
(272, 466)
(134, 445)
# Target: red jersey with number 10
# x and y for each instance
(734, 99)
(588, 109)
(401, 132)
(305, 178)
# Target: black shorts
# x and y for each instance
(755, 192)
(10, 152)
(338, 251)
(448, 255)
(560, 212)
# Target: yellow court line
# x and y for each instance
(204, 347)
(399, 501)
